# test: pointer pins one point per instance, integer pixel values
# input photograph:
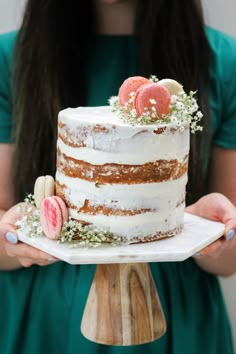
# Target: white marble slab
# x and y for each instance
(197, 234)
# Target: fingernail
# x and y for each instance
(197, 254)
(230, 234)
(12, 238)
(51, 259)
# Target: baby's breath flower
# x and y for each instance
(153, 78)
(179, 105)
(113, 100)
(173, 99)
(30, 223)
(131, 94)
(152, 101)
(199, 115)
(29, 199)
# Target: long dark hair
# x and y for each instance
(50, 62)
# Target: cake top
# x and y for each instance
(142, 102)
(107, 117)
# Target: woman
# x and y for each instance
(56, 63)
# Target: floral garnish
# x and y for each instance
(77, 234)
(183, 110)
(153, 78)
(31, 223)
(73, 232)
(30, 199)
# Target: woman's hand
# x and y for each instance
(220, 256)
(15, 254)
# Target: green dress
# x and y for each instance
(41, 307)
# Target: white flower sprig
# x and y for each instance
(30, 223)
(77, 234)
(185, 110)
(153, 78)
(30, 217)
(30, 199)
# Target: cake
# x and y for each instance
(123, 177)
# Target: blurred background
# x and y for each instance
(219, 14)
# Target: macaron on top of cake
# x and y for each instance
(129, 87)
(173, 86)
(152, 98)
(146, 97)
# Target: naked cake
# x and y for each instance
(122, 168)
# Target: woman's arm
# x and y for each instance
(223, 172)
(6, 184)
(13, 256)
(220, 257)
(6, 201)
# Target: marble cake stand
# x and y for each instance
(123, 307)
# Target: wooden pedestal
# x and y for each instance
(123, 307)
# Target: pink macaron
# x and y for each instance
(152, 95)
(53, 215)
(131, 84)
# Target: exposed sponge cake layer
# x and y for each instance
(156, 171)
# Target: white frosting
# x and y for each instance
(167, 147)
(102, 138)
(154, 196)
(130, 226)
(91, 116)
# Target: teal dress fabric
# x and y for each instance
(41, 307)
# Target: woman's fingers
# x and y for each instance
(26, 251)
(214, 206)
(27, 262)
(230, 228)
(28, 255)
(8, 230)
(217, 247)
(211, 249)
(25, 254)
(16, 212)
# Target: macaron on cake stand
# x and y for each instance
(123, 307)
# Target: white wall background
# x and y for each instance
(219, 14)
(10, 14)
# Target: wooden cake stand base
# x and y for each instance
(123, 306)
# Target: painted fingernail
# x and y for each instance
(197, 254)
(230, 234)
(51, 259)
(12, 238)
